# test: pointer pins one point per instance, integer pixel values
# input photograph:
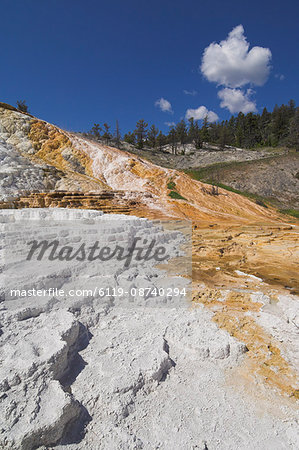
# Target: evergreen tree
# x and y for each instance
(293, 138)
(172, 139)
(292, 108)
(152, 136)
(107, 136)
(205, 130)
(130, 138)
(96, 130)
(197, 136)
(251, 132)
(240, 130)
(117, 134)
(223, 141)
(279, 124)
(214, 132)
(181, 132)
(231, 135)
(141, 132)
(21, 105)
(161, 140)
(245, 131)
(265, 123)
(191, 130)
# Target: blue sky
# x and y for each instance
(77, 62)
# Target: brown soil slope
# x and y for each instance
(276, 178)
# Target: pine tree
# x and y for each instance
(231, 138)
(205, 130)
(243, 131)
(279, 124)
(223, 137)
(191, 130)
(96, 130)
(130, 138)
(292, 108)
(197, 136)
(117, 134)
(181, 132)
(141, 132)
(265, 123)
(152, 136)
(214, 132)
(172, 139)
(252, 132)
(106, 135)
(293, 138)
(161, 140)
(240, 130)
(21, 105)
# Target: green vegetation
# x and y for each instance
(171, 184)
(141, 133)
(252, 131)
(205, 173)
(200, 175)
(106, 136)
(208, 172)
(96, 130)
(291, 212)
(176, 195)
(152, 136)
(173, 193)
(21, 105)
(259, 200)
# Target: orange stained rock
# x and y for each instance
(268, 251)
(263, 359)
(49, 142)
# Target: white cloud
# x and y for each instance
(170, 124)
(200, 113)
(232, 64)
(236, 100)
(281, 77)
(193, 92)
(164, 105)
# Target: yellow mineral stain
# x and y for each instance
(49, 142)
(265, 360)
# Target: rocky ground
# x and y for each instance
(91, 373)
(276, 179)
(216, 369)
(269, 173)
(189, 156)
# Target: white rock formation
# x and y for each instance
(93, 373)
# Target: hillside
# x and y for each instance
(216, 370)
(275, 178)
(37, 156)
(189, 157)
(44, 166)
(270, 174)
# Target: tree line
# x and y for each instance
(269, 129)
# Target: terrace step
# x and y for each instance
(110, 202)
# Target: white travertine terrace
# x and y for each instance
(80, 373)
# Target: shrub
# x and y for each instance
(261, 203)
(175, 195)
(171, 185)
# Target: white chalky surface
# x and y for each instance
(90, 373)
